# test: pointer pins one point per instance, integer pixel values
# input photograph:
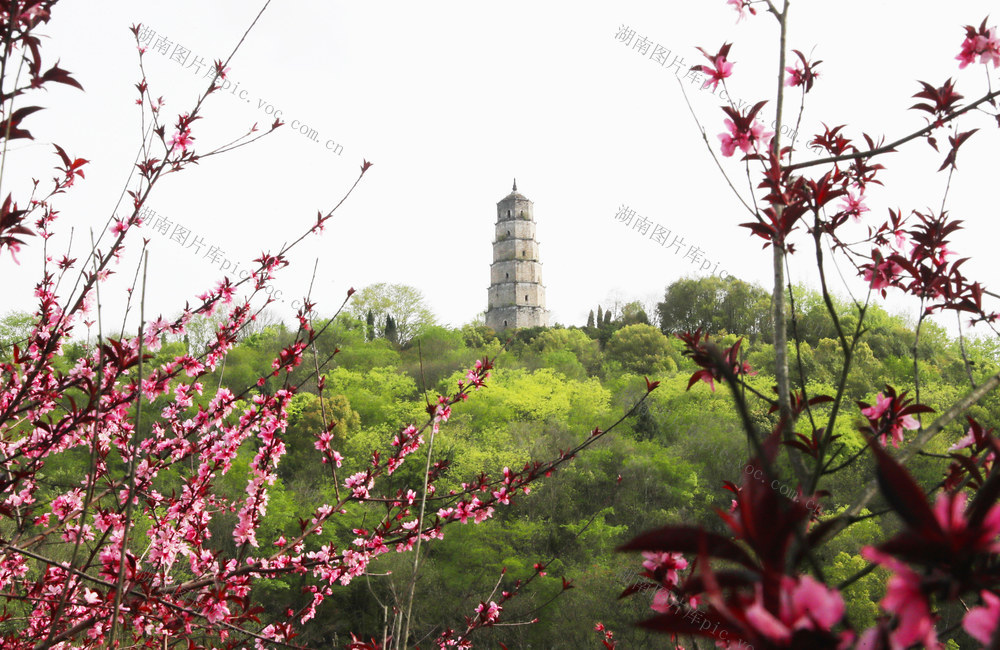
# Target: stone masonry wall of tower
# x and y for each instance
(516, 295)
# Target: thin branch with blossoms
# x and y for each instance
(704, 137)
(489, 615)
(892, 146)
(944, 551)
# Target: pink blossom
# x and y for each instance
(442, 411)
(765, 622)
(225, 291)
(489, 612)
(989, 48)
(719, 70)
(805, 604)
(732, 140)
(742, 6)
(245, 532)
(796, 76)
(904, 598)
(216, 611)
(502, 495)
(666, 563)
(949, 510)
(65, 504)
(663, 601)
(32, 14)
(983, 44)
(968, 53)
(323, 441)
(359, 484)
(854, 206)
(883, 275)
(882, 404)
(981, 622)
(759, 136)
(181, 139)
(745, 141)
(941, 254)
(482, 514)
(966, 441)
(809, 604)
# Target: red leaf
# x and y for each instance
(985, 498)
(58, 75)
(9, 128)
(684, 539)
(903, 493)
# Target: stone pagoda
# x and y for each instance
(516, 295)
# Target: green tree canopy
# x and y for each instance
(406, 304)
(641, 349)
(633, 313)
(585, 349)
(715, 304)
(15, 326)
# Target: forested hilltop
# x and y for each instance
(550, 387)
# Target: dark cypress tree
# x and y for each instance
(645, 423)
(370, 322)
(390, 330)
(607, 317)
(590, 318)
(600, 316)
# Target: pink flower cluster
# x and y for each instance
(882, 273)
(719, 70)
(981, 42)
(889, 417)
(754, 138)
(804, 604)
(464, 510)
(742, 7)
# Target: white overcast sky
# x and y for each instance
(450, 101)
